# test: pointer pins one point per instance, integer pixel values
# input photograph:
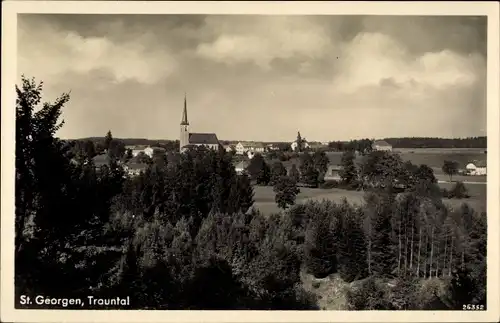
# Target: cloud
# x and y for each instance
(260, 40)
(374, 59)
(49, 53)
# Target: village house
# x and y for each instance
(134, 168)
(333, 173)
(476, 168)
(240, 167)
(381, 145)
(248, 146)
(154, 151)
(294, 145)
(317, 146)
(190, 140)
(136, 150)
(272, 147)
(229, 148)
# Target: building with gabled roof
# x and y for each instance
(249, 146)
(188, 140)
(476, 168)
(381, 145)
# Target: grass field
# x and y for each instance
(264, 197)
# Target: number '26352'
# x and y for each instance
(472, 307)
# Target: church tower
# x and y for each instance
(184, 138)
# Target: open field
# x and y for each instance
(264, 197)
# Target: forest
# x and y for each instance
(184, 234)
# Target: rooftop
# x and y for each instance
(479, 163)
(203, 138)
(381, 143)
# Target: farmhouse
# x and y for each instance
(136, 149)
(333, 172)
(154, 151)
(134, 168)
(381, 145)
(317, 146)
(247, 146)
(476, 168)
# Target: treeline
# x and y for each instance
(184, 235)
(169, 145)
(422, 142)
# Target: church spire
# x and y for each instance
(184, 121)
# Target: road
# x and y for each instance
(465, 182)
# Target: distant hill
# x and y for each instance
(132, 141)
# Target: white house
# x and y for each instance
(241, 167)
(272, 147)
(150, 151)
(476, 168)
(333, 172)
(135, 149)
(243, 147)
(134, 169)
(228, 148)
(294, 145)
(381, 145)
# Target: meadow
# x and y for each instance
(264, 197)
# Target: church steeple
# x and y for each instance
(184, 137)
(184, 121)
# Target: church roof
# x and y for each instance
(203, 138)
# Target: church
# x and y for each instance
(189, 140)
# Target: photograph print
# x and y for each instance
(271, 162)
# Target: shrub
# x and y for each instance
(458, 191)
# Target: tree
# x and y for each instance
(128, 155)
(48, 188)
(277, 171)
(286, 192)
(459, 191)
(259, 170)
(143, 158)
(300, 142)
(108, 139)
(320, 246)
(352, 244)
(450, 168)
(90, 150)
(461, 289)
(320, 161)
(348, 172)
(368, 296)
(116, 149)
(245, 193)
(309, 174)
(380, 169)
(294, 173)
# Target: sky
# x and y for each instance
(250, 77)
